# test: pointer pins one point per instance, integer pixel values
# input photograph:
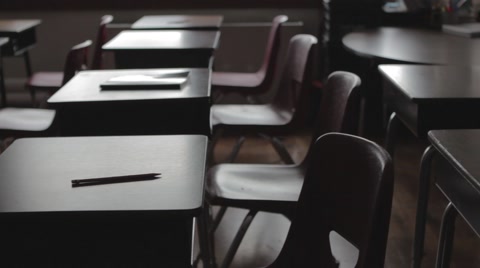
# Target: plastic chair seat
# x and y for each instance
(261, 114)
(26, 119)
(46, 80)
(236, 81)
(255, 182)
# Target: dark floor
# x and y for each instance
(267, 233)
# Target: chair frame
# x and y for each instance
(292, 96)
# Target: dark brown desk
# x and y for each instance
(85, 109)
(455, 155)
(404, 45)
(47, 223)
(426, 97)
(3, 93)
(191, 22)
(22, 38)
(423, 98)
(163, 48)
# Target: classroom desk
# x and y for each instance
(85, 109)
(22, 38)
(453, 158)
(405, 45)
(3, 93)
(163, 48)
(190, 22)
(45, 222)
(423, 98)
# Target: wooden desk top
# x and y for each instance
(461, 148)
(458, 173)
(85, 87)
(17, 26)
(178, 22)
(163, 39)
(414, 46)
(36, 174)
(424, 83)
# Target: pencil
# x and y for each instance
(115, 179)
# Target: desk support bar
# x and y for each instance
(422, 205)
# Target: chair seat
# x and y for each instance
(47, 80)
(26, 119)
(246, 114)
(236, 81)
(255, 182)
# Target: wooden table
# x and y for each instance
(22, 38)
(423, 98)
(191, 22)
(455, 155)
(163, 48)
(85, 109)
(405, 45)
(47, 223)
(426, 97)
(3, 93)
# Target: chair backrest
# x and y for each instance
(76, 60)
(348, 189)
(295, 80)
(270, 57)
(339, 107)
(97, 62)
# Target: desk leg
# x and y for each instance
(445, 242)
(392, 130)
(28, 65)
(3, 89)
(422, 205)
(207, 250)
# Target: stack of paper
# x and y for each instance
(146, 81)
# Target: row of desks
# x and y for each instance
(133, 224)
(440, 103)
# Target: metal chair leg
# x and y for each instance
(235, 150)
(445, 242)
(282, 151)
(422, 205)
(238, 239)
(218, 218)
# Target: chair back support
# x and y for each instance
(97, 62)
(293, 91)
(76, 60)
(339, 106)
(270, 57)
(348, 189)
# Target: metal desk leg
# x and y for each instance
(28, 65)
(3, 93)
(445, 242)
(392, 130)
(207, 251)
(422, 205)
